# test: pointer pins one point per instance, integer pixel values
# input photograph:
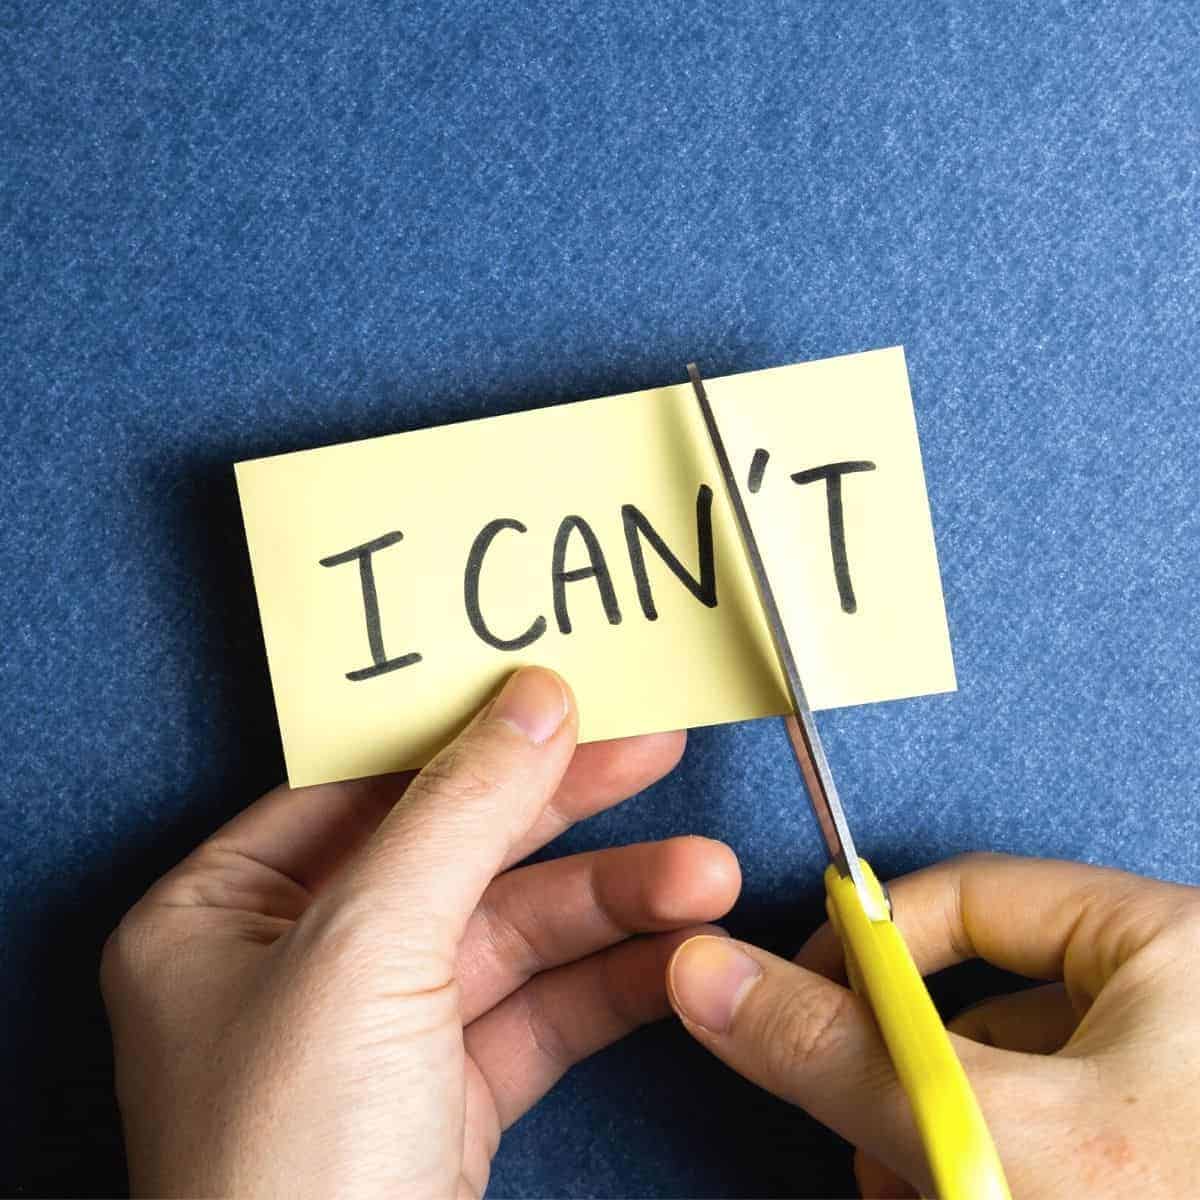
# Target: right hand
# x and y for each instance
(1090, 1084)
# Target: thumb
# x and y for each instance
(422, 873)
(806, 1039)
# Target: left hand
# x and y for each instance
(344, 991)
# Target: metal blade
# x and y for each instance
(801, 728)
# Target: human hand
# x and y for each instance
(344, 993)
(1090, 1084)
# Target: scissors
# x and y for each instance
(962, 1158)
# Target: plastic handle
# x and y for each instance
(958, 1147)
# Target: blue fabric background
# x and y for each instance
(231, 230)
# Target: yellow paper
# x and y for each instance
(691, 665)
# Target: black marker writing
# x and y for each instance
(597, 569)
(758, 464)
(832, 474)
(381, 664)
(639, 533)
(637, 527)
(479, 547)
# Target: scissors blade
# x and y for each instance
(801, 727)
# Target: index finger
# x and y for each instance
(292, 841)
(1042, 918)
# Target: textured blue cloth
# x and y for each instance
(231, 230)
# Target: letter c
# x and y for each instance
(479, 548)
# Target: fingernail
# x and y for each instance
(534, 702)
(709, 979)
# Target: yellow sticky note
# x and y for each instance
(400, 579)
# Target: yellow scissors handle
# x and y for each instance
(962, 1157)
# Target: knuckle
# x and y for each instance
(463, 774)
(225, 876)
(130, 951)
(353, 940)
(507, 933)
(546, 1032)
(802, 1029)
(1177, 934)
